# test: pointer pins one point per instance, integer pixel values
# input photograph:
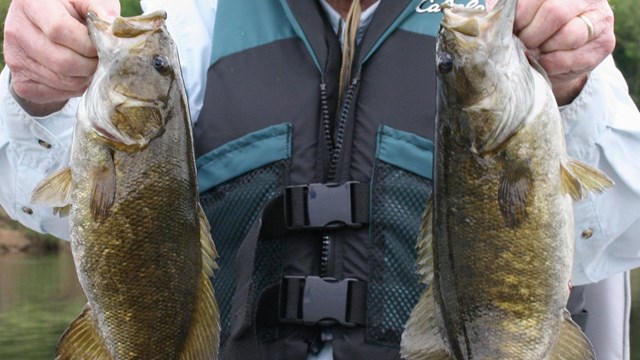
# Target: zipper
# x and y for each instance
(325, 255)
(334, 146)
(336, 149)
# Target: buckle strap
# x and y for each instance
(322, 206)
(317, 207)
(313, 300)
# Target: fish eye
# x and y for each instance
(160, 63)
(445, 63)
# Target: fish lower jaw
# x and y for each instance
(119, 142)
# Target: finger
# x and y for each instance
(550, 17)
(57, 58)
(565, 65)
(104, 9)
(60, 26)
(24, 67)
(29, 69)
(525, 12)
(41, 94)
(571, 36)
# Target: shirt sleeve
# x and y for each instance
(31, 148)
(602, 129)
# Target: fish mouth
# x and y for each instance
(461, 19)
(111, 133)
(495, 25)
(127, 27)
(96, 25)
(119, 142)
(105, 134)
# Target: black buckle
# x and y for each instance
(320, 206)
(312, 300)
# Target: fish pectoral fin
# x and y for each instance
(421, 338)
(572, 343)
(423, 245)
(513, 192)
(55, 190)
(103, 189)
(579, 179)
(81, 340)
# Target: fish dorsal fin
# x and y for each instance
(81, 340)
(422, 339)
(204, 335)
(209, 253)
(55, 190)
(423, 245)
(579, 179)
(572, 343)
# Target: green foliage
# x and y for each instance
(627, 52)
(130, 7)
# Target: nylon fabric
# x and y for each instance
(231, 209)
(398, 200)
(260, 87)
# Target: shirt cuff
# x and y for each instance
(54, 129)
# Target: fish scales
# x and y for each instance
(496, 245)
(139, 238)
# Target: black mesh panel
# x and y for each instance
(231, 209)
(398, 200)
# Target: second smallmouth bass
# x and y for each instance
(496, 246)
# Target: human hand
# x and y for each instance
(558, 35)
(49, 52)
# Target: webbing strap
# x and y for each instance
(312, 300)
(318, 207)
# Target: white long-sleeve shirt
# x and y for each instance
(602, 128)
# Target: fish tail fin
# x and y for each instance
(572, 343)
(81, 340)
(421, 339)
(55, 191)
(579, 179)
(204, 335)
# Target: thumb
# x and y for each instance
(104, 9)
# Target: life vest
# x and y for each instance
(315, 206)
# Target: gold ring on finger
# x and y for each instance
(591, 30)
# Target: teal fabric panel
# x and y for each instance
(247, 153)
(248, 24)
(405, 150)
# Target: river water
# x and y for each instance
(40, 295)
